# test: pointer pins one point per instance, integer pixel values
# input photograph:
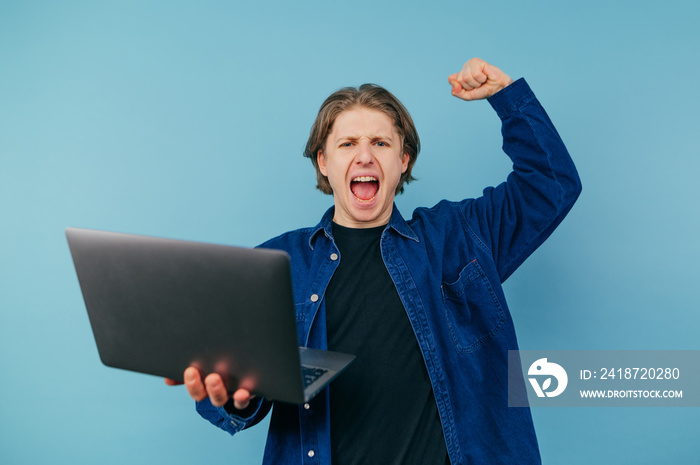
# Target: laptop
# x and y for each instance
(158, 306)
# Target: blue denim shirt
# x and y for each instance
(448, 263)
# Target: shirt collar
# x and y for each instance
(396, 222)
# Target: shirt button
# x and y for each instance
(334, 256)
(314, 297)
(307, 406)
(311, 453)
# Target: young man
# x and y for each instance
(419, 302)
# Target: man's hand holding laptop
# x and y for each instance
(213, 387)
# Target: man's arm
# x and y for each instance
(512, 219)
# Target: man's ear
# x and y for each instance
(321, 160)
(404, 162)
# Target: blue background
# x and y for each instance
(188, 120)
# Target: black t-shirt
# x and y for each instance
(382, 407)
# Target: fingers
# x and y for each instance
(471, 77)
(241, 399)
(193, 382)
(216, 389)
(219, 395)
(477, 80)
(454, 82)
(213, 387)
(172, 382)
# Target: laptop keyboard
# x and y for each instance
(311, 374)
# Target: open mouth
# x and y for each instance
(364, 188)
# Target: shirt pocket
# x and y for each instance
(472, 309)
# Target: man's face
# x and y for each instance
(363, 161)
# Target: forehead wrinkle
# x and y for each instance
(363, 127)
(371, 137)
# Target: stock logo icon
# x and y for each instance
(546, 371)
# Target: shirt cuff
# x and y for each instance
(511, 98)
(227, 417)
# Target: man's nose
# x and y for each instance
(364, 152)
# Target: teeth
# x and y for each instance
(364, 179)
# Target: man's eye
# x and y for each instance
(382, 144)
(346, 144)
